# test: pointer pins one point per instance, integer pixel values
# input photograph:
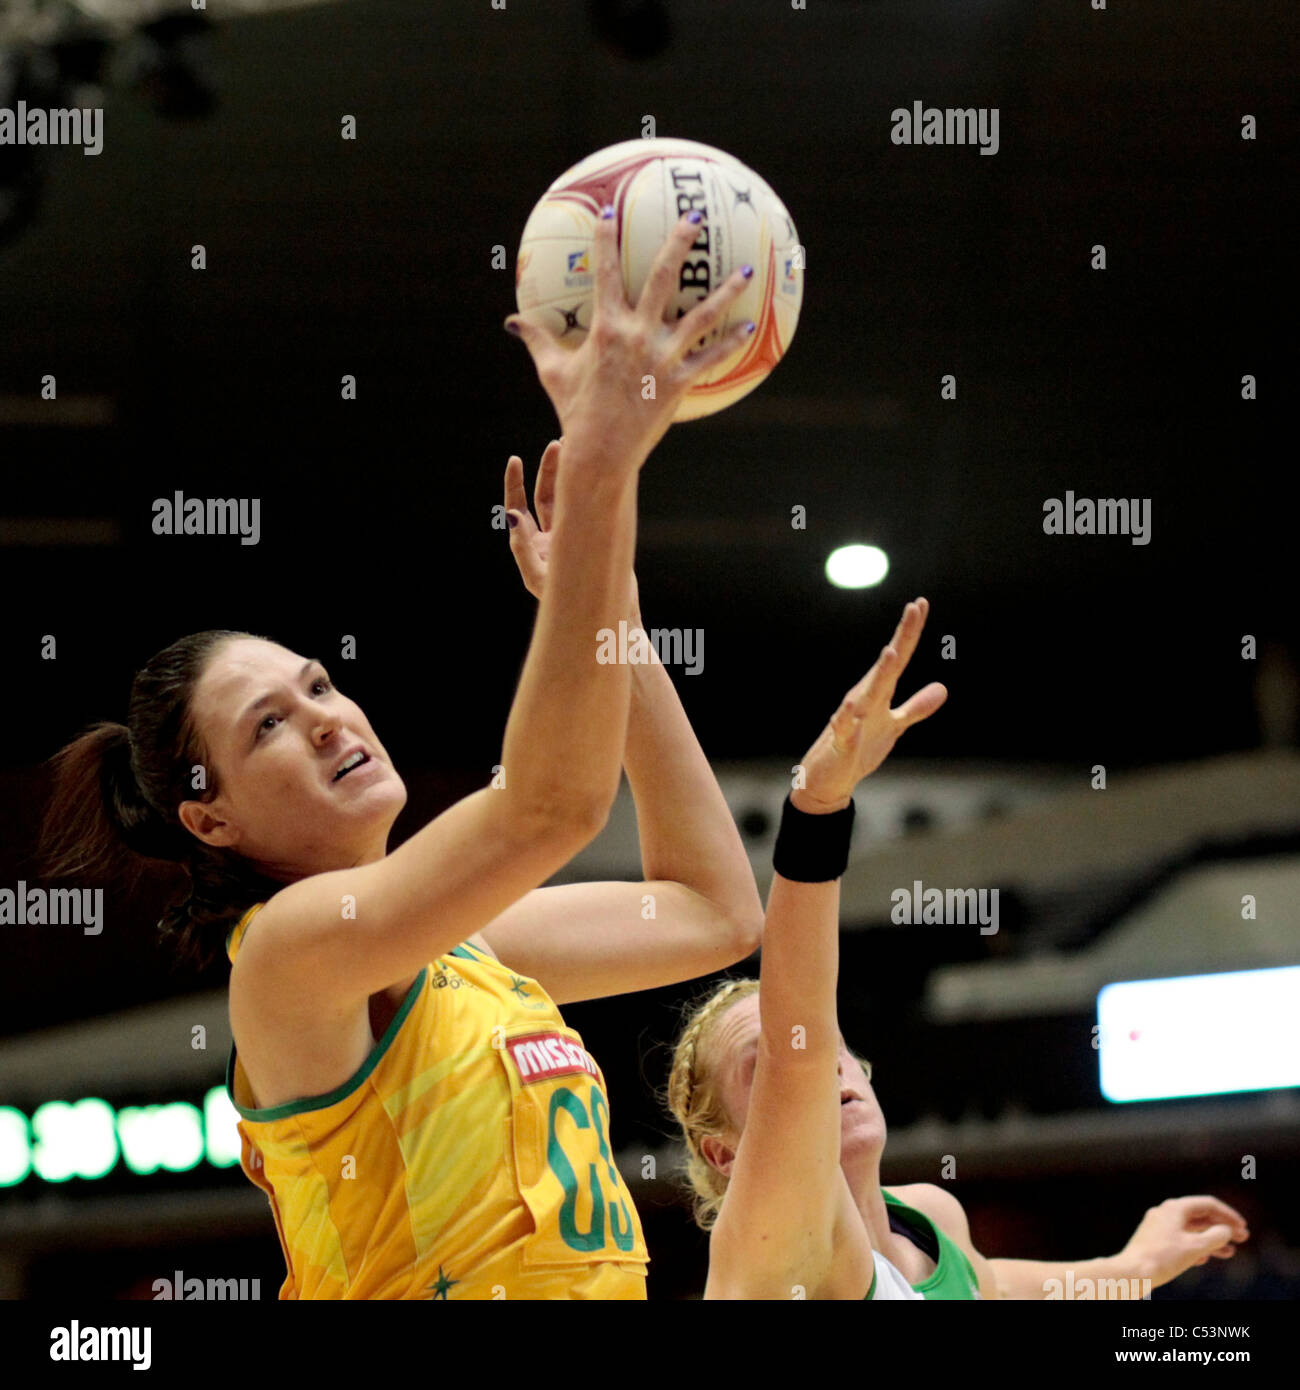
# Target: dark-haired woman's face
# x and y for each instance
(277, 733)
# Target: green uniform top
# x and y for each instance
(953, 1275)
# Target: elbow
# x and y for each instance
(574, 824)
(738, 930)
(590, 818)
(732, 926)
(747, 933)
(747, 916)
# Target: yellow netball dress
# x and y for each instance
(468, 1157)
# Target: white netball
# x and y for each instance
(652, 183)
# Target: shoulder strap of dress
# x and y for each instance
(235, 937)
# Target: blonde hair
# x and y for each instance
(696, 1101)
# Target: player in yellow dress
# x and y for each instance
(420, 1117)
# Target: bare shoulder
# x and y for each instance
(950, 1216)
(480, 944)
(939, 1205)
(287, 945)
(247, 965)
(292, 1042)
(257, 958)
(268, 981)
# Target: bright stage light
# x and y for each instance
(856, 566)
(1200, 1035)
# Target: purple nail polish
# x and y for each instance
(607, 211)
(512, 520)
(747, 271)
(513, 327)
(750, 325)
(695, 217)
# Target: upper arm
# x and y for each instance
(787, 1194)
(948, 1213)
(354, 932)
(589, 940)
(787, 1197)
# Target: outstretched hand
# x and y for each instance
(530, 537)
(530, 540)
(1182, 1232)
(864, 729)
(600, 388)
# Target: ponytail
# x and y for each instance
(112, 814)
(108, 834)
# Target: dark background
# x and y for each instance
(373, 258)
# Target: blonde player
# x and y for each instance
(784, 1132)
(423, 1121)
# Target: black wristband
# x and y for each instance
(812, 849)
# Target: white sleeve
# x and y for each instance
(890, 1284)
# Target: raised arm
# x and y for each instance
(564, 738)
(786, 1190)
(697, 909)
